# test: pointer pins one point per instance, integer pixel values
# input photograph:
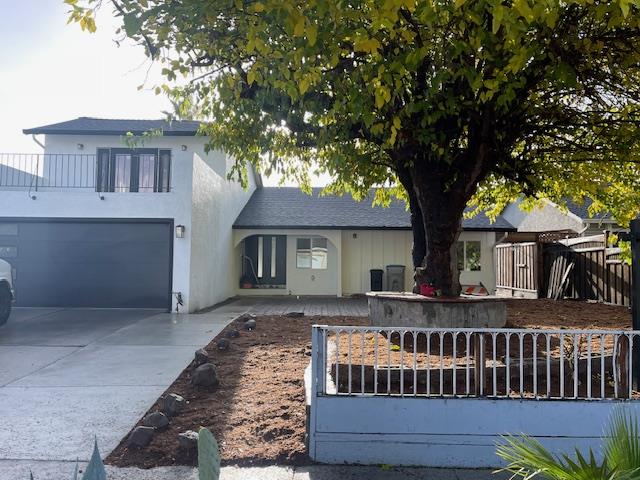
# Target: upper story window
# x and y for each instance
(311, 253)
(469, 255)
(133, 170)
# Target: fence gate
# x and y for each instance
(517, 269)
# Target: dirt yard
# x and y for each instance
(258, 411)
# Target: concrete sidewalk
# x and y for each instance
(64, 470)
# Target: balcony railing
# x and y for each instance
(79, 171)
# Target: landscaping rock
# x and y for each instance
(246, 316)
(205, 376)
(157, 420)
(172, 404)
(233, 333)
(140, 437)
(223, 344)
(188, 440)
(201, 357)
(250, 325)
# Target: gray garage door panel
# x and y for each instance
(90, 263)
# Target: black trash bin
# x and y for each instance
(376, 280)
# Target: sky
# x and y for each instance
(51, 72)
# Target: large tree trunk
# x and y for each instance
(442, 221)
(419, 244)
(442, 191)
(439, 189)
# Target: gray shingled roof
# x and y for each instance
(288, 207)
(582, 210)
(104, 126)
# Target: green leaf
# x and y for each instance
(132, 24)
(498, 15)
(298, 29)
(95, 469)
(312, 34)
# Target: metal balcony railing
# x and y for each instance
(79, 171)
(36, 171)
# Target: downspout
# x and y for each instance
(37, 172)
(33, 136)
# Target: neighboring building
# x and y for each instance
(550, 217)
(299, 244)
(109, 216)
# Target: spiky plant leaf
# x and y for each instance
(208, 456)
(528, 458)
(95, 469)
(621, 445)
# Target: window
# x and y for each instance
(137, 170)
(469, 255)
(260, 255)
(312, 253)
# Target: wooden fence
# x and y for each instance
(581, 268)
(586, 269)
(517, 269)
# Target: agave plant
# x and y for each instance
(208, 460)
(527, 458)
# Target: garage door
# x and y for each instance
(89, 263)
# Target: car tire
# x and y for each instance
(5, 304)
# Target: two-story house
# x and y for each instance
(95, 221)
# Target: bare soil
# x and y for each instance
(258, 413)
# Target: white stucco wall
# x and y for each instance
(217, 202)
(300, 281)
(546, 218)
(201, 199)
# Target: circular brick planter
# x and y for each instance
(402, 309)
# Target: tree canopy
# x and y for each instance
(448, 101)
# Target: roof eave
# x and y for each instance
(358, 227)
(45, 131)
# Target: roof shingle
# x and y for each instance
(289, 207)
(108, 126)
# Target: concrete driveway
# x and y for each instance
(67, 375)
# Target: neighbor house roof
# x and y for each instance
(108, 126)
(288, 207)
(582, 210)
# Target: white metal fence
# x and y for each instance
(490, 363)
